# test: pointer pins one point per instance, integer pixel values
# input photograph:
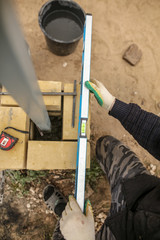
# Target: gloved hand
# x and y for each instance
(104, 98)
(74, 225)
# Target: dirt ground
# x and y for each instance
(116, 25)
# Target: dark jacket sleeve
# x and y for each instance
(143, 126)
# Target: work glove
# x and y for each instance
(74, 225)
(104, 98)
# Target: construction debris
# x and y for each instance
(133, 54)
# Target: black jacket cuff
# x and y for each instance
(120, 110)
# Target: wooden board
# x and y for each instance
(8, 100)
(68, 132)
(53, 103)
(16, 157)
(53, 155)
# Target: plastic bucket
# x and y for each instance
(62, 23)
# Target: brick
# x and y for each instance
(70, 133)
(133, 54)
(16, 157)
(53, 155)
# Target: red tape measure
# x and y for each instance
(7, 141)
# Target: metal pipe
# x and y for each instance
(17, 73)
(47, 94)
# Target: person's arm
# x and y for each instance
(143, 126)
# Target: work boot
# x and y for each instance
(118, 162)
(54, 200)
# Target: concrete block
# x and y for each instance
(53, 155)
(16, 157)
(70, 133)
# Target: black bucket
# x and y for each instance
(62, 23)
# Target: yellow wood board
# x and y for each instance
(53, 103)
(16, 157)
(68, 132)
(53, 155)
(7, 100)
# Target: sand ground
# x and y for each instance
(116, 25)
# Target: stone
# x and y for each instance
(40, 195)
(154, 168)
(133, 54)
(152, 172)
(47, 212)
(65, 64)
(28, 205)
(32, 190)
(56, 176)
(101, 215)
(102, 220)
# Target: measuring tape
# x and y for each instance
(7, 142)
(83, 114)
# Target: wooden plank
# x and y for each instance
(53, 103)
(8, 100)
(70, 133)
(16, 157)
(53, 155)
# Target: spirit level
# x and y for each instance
(83, 114)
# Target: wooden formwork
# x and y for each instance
(37, 155)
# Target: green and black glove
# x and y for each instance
(103, 97)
